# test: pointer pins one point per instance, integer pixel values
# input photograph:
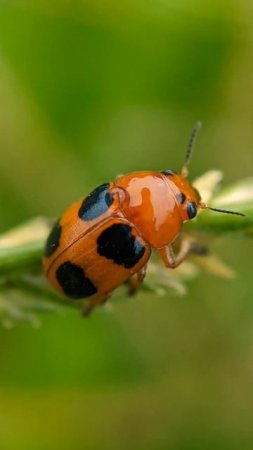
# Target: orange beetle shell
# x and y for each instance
(103, 240)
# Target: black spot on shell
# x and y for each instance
(118, 243)
(73, 281)
(181, 197)
(53, 240)
(169, 172)
(191, 209)
(96, 203)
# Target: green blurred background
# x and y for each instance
(90, 89)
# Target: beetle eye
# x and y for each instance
(191, 209)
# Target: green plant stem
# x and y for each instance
(28, 257)
(23, 289)
(21, 257)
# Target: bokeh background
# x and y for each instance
(90, 89)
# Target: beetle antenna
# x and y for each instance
(225, 211)
(202, 205)
(185, 170)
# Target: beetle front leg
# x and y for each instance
(173, 260)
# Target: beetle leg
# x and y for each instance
(173, 260)
(91, 305)
(136, 280)
(87, 310)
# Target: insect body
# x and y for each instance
(106, 239)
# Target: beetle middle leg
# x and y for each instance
(136, 280)
(87, 310)
(90, 305)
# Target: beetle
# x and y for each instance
(106, 238)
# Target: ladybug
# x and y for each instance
(106, 238)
